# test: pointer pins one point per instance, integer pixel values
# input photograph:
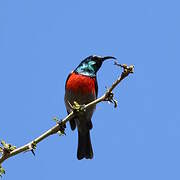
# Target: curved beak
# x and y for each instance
(107, 57)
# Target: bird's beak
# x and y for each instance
(107, 57)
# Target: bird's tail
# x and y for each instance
(84, 146)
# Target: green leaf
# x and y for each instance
(56, 119)
(11, 148)
(7, 147)
(2, 171)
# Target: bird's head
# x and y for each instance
(91, 65)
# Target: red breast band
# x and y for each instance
(81, 83)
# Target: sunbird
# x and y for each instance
(81, 86)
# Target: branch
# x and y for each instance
(7, 150)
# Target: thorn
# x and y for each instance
(32, 147)
(110, 99)
(116, 63)
(32, 150)
(62, 127)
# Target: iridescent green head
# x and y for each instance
(91, 65)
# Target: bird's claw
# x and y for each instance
(76, 107)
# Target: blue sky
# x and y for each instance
(42, 41)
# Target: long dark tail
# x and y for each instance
(84, 146)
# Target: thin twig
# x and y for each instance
(31, 145)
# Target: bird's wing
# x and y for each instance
(72, 121)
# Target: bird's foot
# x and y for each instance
(77, 108)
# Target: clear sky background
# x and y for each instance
(42, 41)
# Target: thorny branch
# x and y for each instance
(8, 150)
